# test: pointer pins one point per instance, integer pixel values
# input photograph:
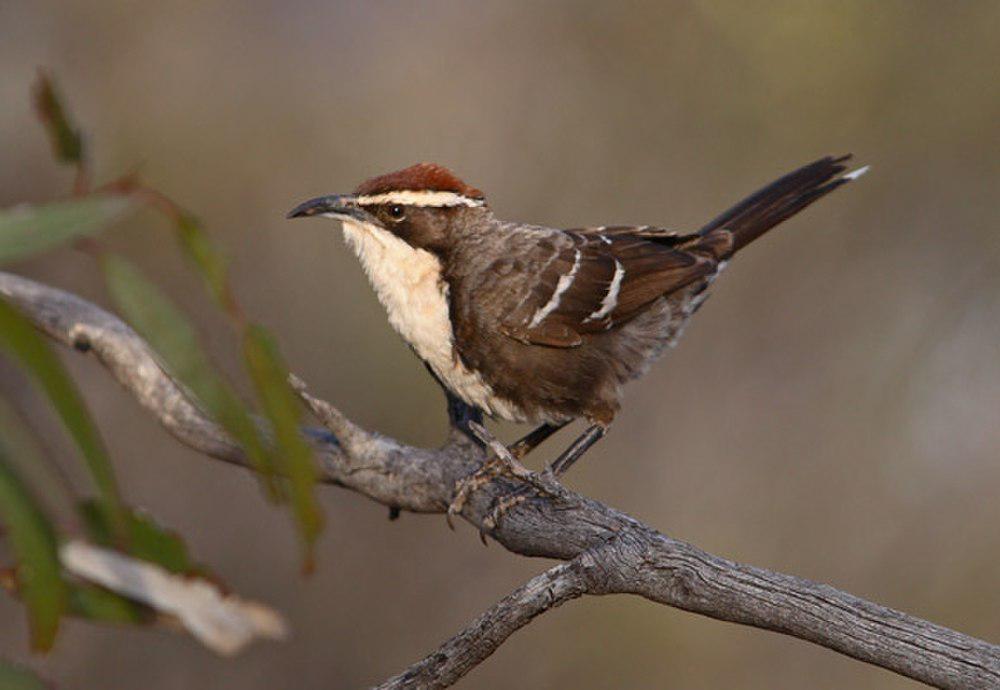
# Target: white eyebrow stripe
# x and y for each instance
(562, 286)
(418, 198)
(610, 300)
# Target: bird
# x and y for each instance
(541, 325)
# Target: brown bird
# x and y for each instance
(536, 324)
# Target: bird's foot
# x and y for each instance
(465, 487)
(545, 485)
(501, 462)
(501, 506)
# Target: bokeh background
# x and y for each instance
(833, 411)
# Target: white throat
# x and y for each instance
(409, 285)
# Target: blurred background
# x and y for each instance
(852, 356)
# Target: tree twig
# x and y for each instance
(466, 650)
(622, 554)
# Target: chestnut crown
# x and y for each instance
(422, 177)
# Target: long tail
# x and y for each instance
(782, 199)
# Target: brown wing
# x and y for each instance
(608, 275)
(604, 278)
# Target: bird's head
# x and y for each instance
(421, 204)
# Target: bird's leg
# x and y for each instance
(533, 439)
(500, 461)
(593, 434)
(501, 458)
(588, 438)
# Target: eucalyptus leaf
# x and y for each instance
(67, 142)
(219, 619)
(209, 261)
(146, 539)
(101, 606)
(29, 229)
(19, 338)
(174, 339)
(33, 541)
(292, 455)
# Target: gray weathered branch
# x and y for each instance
(607, 551)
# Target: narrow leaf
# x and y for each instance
(146, 539)
(15, 677)
(209, 261)
(23, 342)
(293, 455)
(223, 622)
(30, 229)
(67, 143)
(33, 541)
(39, 468)
(174, 339)
(87, 601)
(101, 606)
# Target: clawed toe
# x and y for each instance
(500, 462)
(464, 488)
(500, 508)
(544, 484)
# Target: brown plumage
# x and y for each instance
(539, 324)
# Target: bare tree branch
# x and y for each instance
(608, 551)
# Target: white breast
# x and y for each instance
(408, 283)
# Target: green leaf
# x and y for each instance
(33, 541)
(172, 336)
(293, 455)
(67, 143)
(30, 229)
(146, 539)
(38, 468)
(210, 262)
(101, 606)
(22, 341)
(14, 677)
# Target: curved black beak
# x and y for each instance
(339, 206)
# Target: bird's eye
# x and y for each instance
(396, 212)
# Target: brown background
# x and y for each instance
(831, 413)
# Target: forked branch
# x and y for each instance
(606, 551)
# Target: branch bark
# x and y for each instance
(606, 551)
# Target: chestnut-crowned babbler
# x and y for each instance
(536, 324)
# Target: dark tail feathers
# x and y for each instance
(782, 199)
